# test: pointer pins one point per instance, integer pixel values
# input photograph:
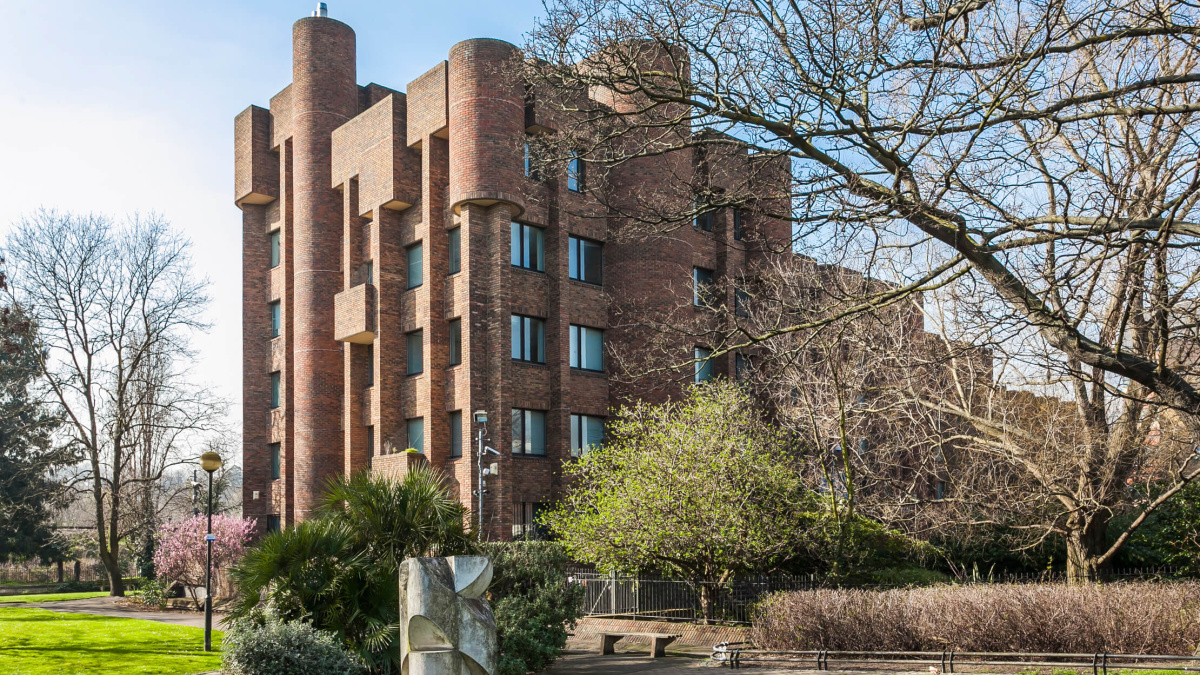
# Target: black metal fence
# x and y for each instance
(28, 574)
(736, 654)
(657, 598)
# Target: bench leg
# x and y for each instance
(659, 646)
(607, 643)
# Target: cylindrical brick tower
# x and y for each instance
(324, 96)
(487, 124)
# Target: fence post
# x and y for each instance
(612, 592)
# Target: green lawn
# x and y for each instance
(41, 642)
(51, 597)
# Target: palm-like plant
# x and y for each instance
(339, 571)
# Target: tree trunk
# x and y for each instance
(60, 571)
(1086, 542)
(116, 584)
(78, 570)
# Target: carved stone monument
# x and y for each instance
(446, 626)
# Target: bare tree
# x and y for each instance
(1033, 165)
(116, 304)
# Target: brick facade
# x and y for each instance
(352, 178)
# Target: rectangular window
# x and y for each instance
(455, 341)
(528, 162)
(276, 461)
(370, 444)
(737, 224)
(416, 434)
(704, 365)
(587, 431)
(528, 247)
(274, 239)
(273, 523)
(741, 366)
(276, 318)
(528, 339)
(704, 219)
(587, 348)
(575, 174)
(414, 344)
(368, 272)
(456, 434)
(741, 303)
(528, 432)
(456, 250)
(369, 366)
(275, 385)
(702, 287)
(585, 260)
(414, 266)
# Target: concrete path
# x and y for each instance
(107, 606)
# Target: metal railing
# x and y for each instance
(18, 574)
(641, 597)
(735, 654)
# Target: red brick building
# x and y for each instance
(402, 270)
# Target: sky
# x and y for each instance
(122, 106)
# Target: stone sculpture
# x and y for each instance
(446, 626)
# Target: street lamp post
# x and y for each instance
(210, 462)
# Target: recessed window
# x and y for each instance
(528, 432)
(415, 275)
(587, 348)
(369, 367)
(455, 341)
(276, 318)
(585, 260)
(741, 303)
(416, 434)
(456, 433)
(455, 250)
(414, 344)
(737, 224)
(276, 461)
(276, 383)
(528, 339)
(575, 173)
(704, 364)
(368, 272)
(741, 366)
(528, 247)
(370, 444)
(587, 431)
(704, 218)
(273, 523)
(702, 287)
(273, 238)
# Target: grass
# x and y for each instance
(51, 597)
(42, 642)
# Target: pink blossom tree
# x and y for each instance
(182, 551)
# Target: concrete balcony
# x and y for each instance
(354, 315)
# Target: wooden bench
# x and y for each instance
(658, 642)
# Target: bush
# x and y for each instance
(533, 604)
(77, 587)
(1126, 618)
(277, 648)
(152, 593)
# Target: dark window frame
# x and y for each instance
(704, 364)
(576, 247)
(519, 235)
(408, 266)
(275, 309)
(575, 173)
(703, 298)
(456, 433)
(275, 248)
(276, 452)
(738, 226)
(576, 334)
(276, 389)
(455, 341)
(408, 358)
(525, 433)
(454, 248)
(579, 425)
(527, 324)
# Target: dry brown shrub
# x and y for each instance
(1127, 618)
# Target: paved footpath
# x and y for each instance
(108, 606)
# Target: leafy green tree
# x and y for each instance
(702, 488)
(533, 604)
(29, 492)
(339, 571)
(1170, 537)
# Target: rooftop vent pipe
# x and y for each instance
(322, 10)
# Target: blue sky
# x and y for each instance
(127, 105)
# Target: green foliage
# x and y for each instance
(78, 587)
(1170, 536)
(28, 454)
(152, 593)
(703, 488)
(339, 571)
(285, 648)
(533, 604)
(50, 597)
